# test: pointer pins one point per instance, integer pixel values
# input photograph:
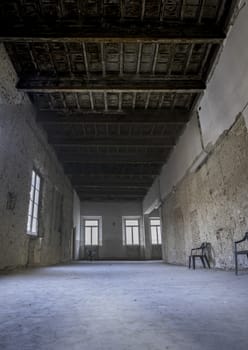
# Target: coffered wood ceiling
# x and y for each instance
(114, 81)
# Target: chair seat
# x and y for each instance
(197, 255)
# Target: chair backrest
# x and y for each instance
(243, 239)
(205, 245)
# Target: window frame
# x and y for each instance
(157, 233)
(124, 226)
(32, 203)
(99, 236)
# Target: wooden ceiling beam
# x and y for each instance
(110, 169)
(113, 190)
(120, 186)
(118, 158)
(122, 33)
(38, 85)
(109, 197)
(60, 121)
(124, 180)
(149, 116)
(144, 141)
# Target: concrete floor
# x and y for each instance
(123, 306)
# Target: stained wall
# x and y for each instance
(24, 147)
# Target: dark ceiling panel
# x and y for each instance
(114, 82)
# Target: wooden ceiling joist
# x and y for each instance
(114, 83)
(78, 86)
(112, 159)
(116, 141)
(98, 197)
(107, 180)
(111, 169)
(111, 187)
(165, 117)
(162, 34)
(113, 190)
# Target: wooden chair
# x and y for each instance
(201, 253)
(239, 252)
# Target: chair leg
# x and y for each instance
(236, 263)
(193, 257)
(189, 261)
(205, 256)
(203, 262)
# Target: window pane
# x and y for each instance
(94, 236)
(36, 197)
(33, 178)
(155, 222)
(37, 182)
(34, 226)
(87, 235)
(29, 223)
(30, 208)
(91, 222)
(132, 222)
(159, 235)
(154, 235)
(129, 235)
(32, 193)
(135, 235)
(35, 212)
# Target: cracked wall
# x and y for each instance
(23, 146)
(211, 204)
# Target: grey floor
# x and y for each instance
(123, 306)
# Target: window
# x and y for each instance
(58, 210)
(91, 231)
(33, 210)
(131, 230)
(155, 230)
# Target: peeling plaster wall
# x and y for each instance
(23, 146)
(8, 93)
(211, 204)
(226, 95)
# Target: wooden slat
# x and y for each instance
(85, 60)
(143, 8)
(155, 59)
(183, 2)
(103, 60)
(201, 9)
